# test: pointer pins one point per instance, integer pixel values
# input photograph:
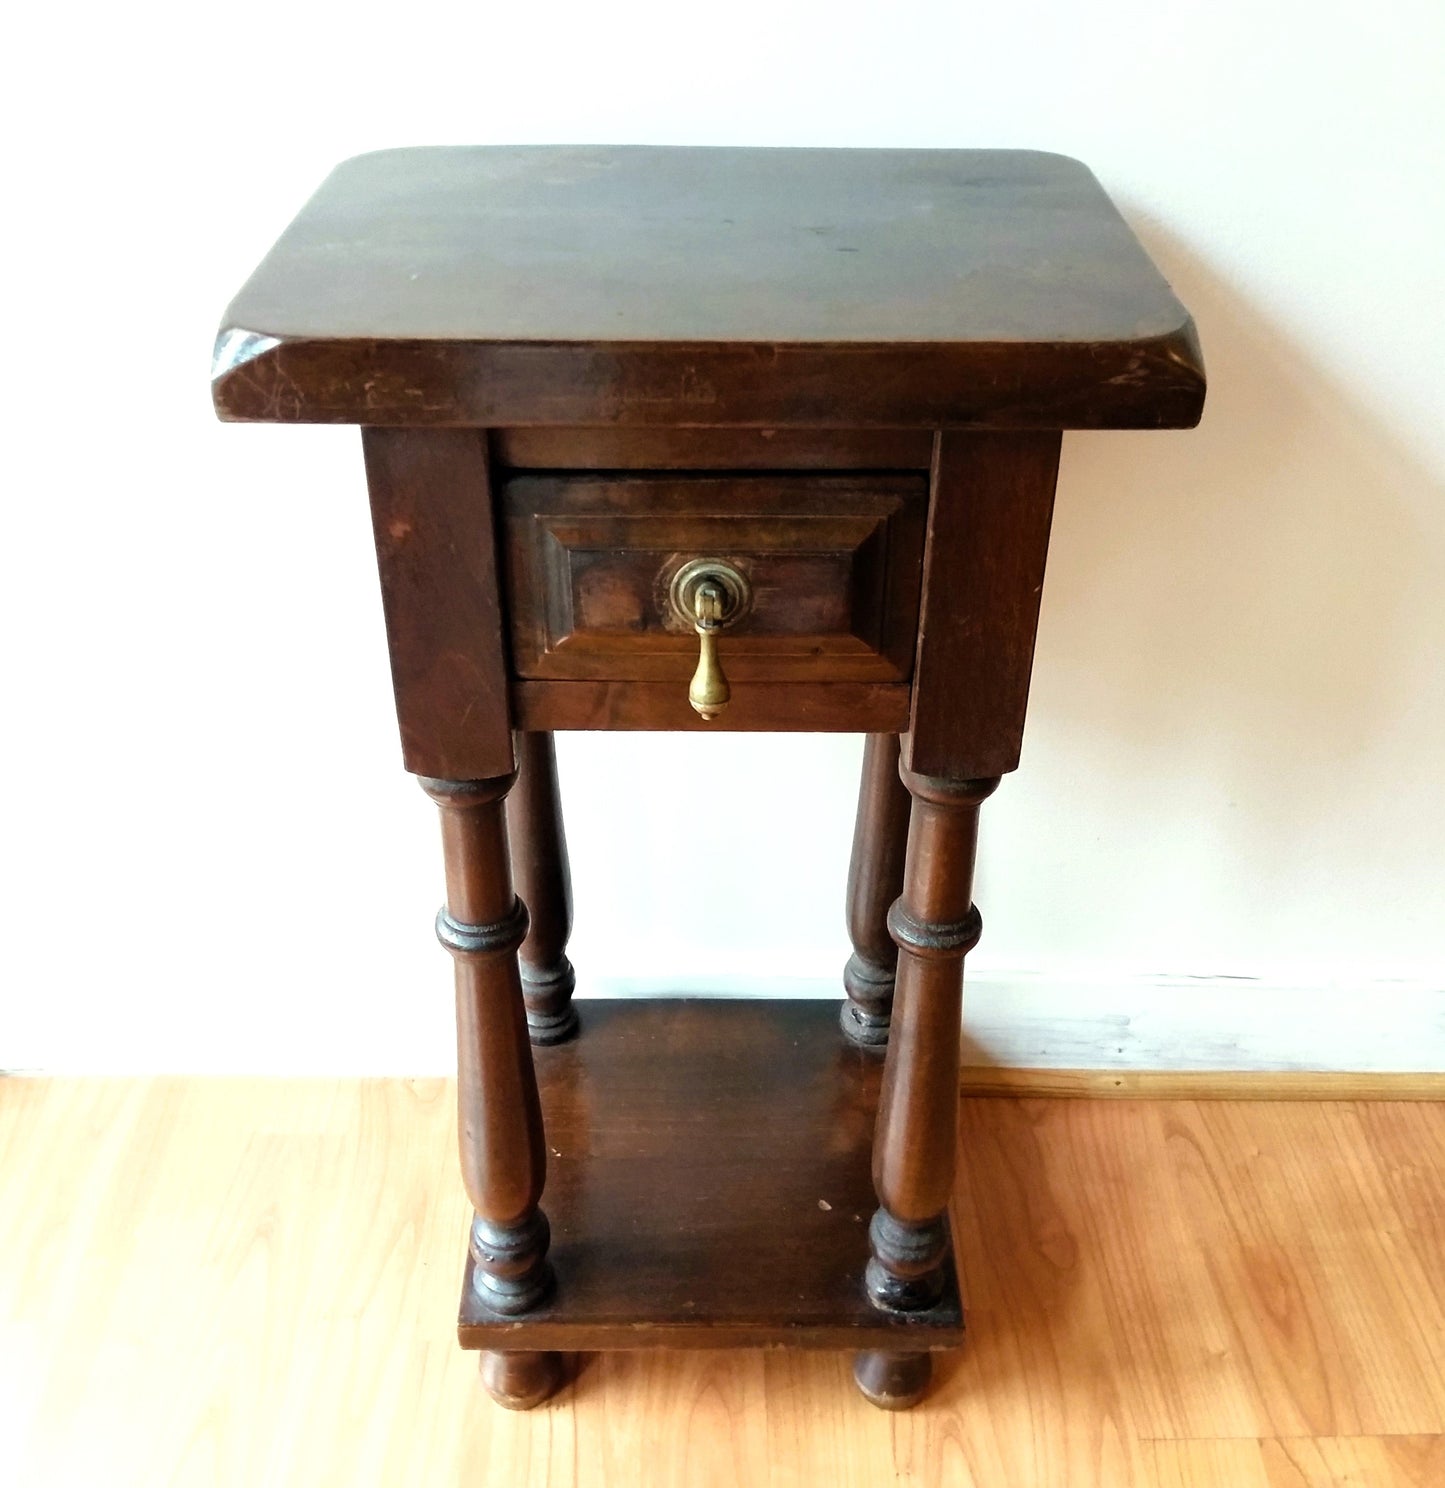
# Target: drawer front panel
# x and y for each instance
(833, 563)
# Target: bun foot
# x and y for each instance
(523, 1379)
(893, 1381)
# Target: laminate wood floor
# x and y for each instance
(254, 1282)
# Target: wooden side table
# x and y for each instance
(709, 439)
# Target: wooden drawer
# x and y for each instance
(833, 561)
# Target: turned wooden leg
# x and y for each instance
(875, 880)
(544, 883)
(499, 1116)
(934, 924)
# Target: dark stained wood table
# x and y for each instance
(709, 439)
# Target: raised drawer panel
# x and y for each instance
(833, 562)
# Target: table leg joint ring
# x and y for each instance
(925, 938)
(493, 939)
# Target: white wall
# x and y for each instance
(1234, 762)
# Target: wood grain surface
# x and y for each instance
(665, 448)
(708, 1185)
(435, 552)
(254, 1282)
(983, 578)
(611, 286)
(801, 707)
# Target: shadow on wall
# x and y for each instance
(1237, 651)
(1251, 604)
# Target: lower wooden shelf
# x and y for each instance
(708, 1186)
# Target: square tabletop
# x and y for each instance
(527, 285)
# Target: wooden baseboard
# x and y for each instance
(1162, 1038)
(1199, 1038)
(1345, 1085)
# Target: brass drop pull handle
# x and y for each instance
(708, 691)
(710, 595)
